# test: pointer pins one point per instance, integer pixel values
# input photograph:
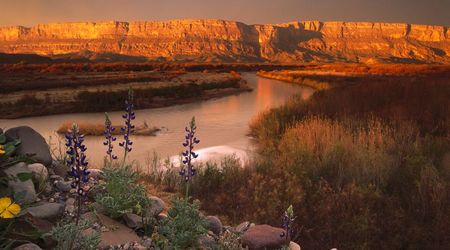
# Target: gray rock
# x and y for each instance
(28, 246)
(133, 221)
(156, 207)
(40, 172)
(48, 211)
(31, 143)
(64, 186)
(214, 224)
(25, 188)
(294, 246)
(263, 237)
(70, 205)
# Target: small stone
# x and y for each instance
(294, 246)
(156, 207)
(47, 211)
(64, 186)
(28, 246)
(162, 216)
(241, 228)
(70, 205)
(96, 173)
(39, 171)
(51, 200)
(214, 224)
(133, 221)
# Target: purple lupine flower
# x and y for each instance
(77, 160)
(109, 129)
(128, 129)
(288, 220)
(188, 171)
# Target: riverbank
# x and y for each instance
(89, 93)
(326, 76)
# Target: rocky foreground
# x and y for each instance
(217, 40)
(53, 201)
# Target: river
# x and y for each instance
(222, 123)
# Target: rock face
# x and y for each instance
(307, 41)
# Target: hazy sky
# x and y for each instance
(30, 12)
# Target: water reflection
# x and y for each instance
(221, 122)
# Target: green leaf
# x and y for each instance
(24, 176)
(2, 138)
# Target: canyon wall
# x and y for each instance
(217, 40)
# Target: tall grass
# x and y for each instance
(364, 165)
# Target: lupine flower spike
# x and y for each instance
(128, 129)
(188, 171)
(288, 220)
(77, 162)
(109, 129)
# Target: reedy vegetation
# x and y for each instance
(365, 166)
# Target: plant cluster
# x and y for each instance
(184, 225)
(122, 191)
(72, 236)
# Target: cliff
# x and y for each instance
(308, 41)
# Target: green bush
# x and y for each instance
(70, 237)
(184, 225)
(122, 192)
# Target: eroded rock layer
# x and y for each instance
(308, 41)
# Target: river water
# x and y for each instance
(222, 123)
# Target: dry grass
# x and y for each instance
(91, 129)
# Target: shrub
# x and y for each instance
(71, 236)
(184, 225)
(122, 192)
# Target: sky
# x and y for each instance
(31, 12)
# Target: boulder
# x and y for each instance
(214, 224)
(263, 237)
(133, 221)
(39, 171)
(28, 246)
(47, 211)
(156, 206)
(24, 190)
(31, 143)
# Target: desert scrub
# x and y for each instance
(122, 192)
(184, 225)
(73, 237)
